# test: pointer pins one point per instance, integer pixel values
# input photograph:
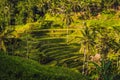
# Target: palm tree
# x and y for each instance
(106, 41)
(87, 43)
(4, 36)
(117, 48)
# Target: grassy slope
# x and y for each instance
(16, 68)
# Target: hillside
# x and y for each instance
(16, 68)
(40, 37)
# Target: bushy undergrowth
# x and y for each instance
(16, 68)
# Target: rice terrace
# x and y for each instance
(59, 39)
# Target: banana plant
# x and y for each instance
(105, 70)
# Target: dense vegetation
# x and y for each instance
(66, 33)
(16, 68)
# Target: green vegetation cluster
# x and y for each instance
(60, 33)
(14, 13)
(16, 68)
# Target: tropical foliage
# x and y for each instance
(64, 33)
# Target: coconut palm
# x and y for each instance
(107, 41)
(87, 43)
(4, 36)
